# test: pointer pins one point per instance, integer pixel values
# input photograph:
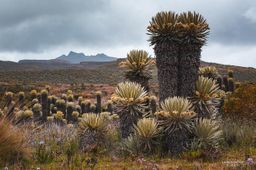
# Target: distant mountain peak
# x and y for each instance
(76, 58)
(71, 53)
(101, 54)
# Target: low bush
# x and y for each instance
(239, 133)
(241, 103)
(94, 131)
(175, 118)
(208, 139)
(13, 144)
(145, 139)
(52, 140)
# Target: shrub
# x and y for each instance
(130, 100)
(59, 115)
(175, 110)
(246, 136)
(176, 119)
(52, 140)
(33, 94)
(137, 62)
(37, 111)
(8, 98)
(13, 144)
(137, 67)
(44, 153)
(75, 115)
(208, 138)
(70, 149)
(23, 116)
(34, 101)
(61, 105)
(93, 131)
(147, 133)
(209, 72)
(239, 133)
(207, 97)
(130, 146)
(241, 103)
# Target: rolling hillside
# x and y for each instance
(89, 72)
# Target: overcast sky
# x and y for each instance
(45, 29)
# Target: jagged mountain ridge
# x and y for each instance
(72, 58)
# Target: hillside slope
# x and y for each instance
(90, 72)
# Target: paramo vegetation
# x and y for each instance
(199, 115)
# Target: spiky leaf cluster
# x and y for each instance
(28, 113)
(50, 118)
(33, 93)
(97, 122)
(208, 135)
(24, 114)
(176, 107)
(34, 101)
(21, 94)
(187, 27)
(37, 107)
(207, 96)
(130, 98)
(162, 28)
(91, 121)
(130, 104)
(60, 102)
(206, 88)
(59, 115)
(94, 130)
(131, 145)
(44, 92)
(147, 132)
(193, 28)
(138, 62)
(209, 72)
(108, 116)
(129, 94)
(9, 94)
(75, 114)
(176, 114)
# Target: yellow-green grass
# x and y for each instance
(230, 159)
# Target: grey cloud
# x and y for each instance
(28, 25)
(231, 26)
(230, 20)
(36, 25)
(14, 12)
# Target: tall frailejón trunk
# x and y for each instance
(167, 61)
(189, 63)
(44, 103)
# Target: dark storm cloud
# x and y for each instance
(233, 22)
(29, 25)
(36, 25)
(32, 26)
